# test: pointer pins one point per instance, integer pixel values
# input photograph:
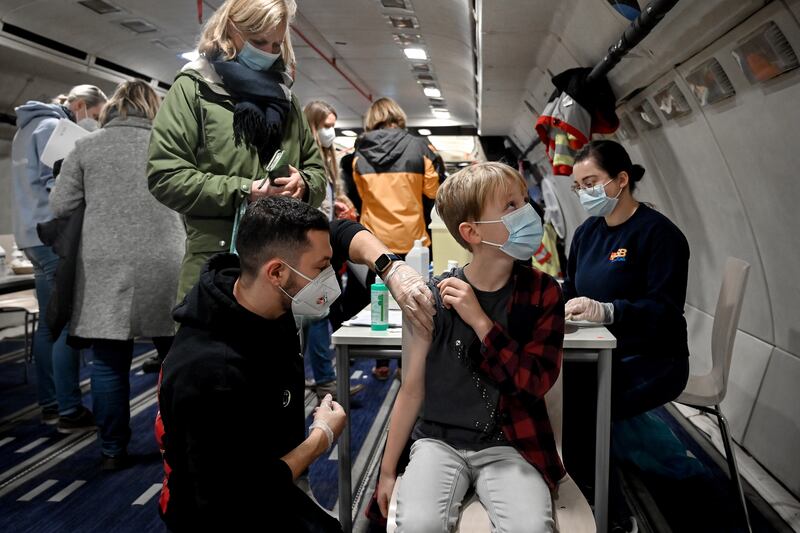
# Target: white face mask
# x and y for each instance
(87, 122)
(316, 297)
(326, 137)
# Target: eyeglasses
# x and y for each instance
(596, 189)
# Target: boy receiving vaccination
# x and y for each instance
(478, 385)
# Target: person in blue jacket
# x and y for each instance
(627, 269)
(31, 181)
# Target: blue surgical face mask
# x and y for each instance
(256, 59)
(595, 201)
(524, 233)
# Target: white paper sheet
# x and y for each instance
(364, 318)
(62, 141)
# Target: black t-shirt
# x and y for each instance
(460, 406)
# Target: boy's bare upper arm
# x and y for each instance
(416, 346)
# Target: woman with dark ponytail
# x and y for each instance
(627, 269)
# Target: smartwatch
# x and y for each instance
(383, 261)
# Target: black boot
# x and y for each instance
(152, 365)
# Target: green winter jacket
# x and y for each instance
(195, 168)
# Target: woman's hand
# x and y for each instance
(385, 488)
(413, 296)
(458, 294)
(343, 208)
(294, 185)
(267, 190)
(583, 308)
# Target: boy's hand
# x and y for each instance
(458, 294)
(385, 488)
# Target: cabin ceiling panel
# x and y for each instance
(368, 52)
(522, 40)
(25, 77)
(373, 55)
(103, 36)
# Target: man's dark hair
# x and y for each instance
(275, 226)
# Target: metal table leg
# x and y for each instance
(343, 457)
(603, 440)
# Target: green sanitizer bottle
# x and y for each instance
(379, 307)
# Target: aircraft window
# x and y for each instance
(408, 39)
(645, 116)
(671, 102)
(100, 7)
(627, 8)
(402, 22)
(396, 4)
(709, 83)
(420, 68)
(765, 54)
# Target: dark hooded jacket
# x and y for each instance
(231, 404)
(393, 172)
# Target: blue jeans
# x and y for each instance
(57, 365)
(111, 390)
(317, 336)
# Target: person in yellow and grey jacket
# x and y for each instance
(394, 173)
(393, 170)
(221, 122)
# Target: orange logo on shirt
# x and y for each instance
(619, 255)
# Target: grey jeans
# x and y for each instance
(438, 477)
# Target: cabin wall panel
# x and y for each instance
(5, 187)
(758, 138)
(687, 168)
(773, 435)
(749, 363)
(794, 7)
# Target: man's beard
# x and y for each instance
(290, 289)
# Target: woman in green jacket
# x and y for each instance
(222, 121)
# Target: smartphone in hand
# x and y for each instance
(280, 172)
(275, 169)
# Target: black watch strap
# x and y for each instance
(383, 261)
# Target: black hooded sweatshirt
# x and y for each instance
(231, 404)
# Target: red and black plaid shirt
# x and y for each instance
(524, 362)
